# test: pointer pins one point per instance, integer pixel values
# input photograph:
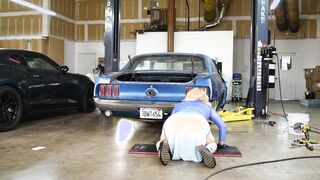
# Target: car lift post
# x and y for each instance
(261, 55)
(112, 35)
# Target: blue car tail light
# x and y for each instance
(109, 90)
(116, 89)
(102, 90)
(187, 89)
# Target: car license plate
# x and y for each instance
(150, 113)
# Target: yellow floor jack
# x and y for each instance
(309, 144)
(238, 114)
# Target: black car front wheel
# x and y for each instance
(10, 108)
(88, 104)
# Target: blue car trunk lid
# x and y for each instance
(148, 86)
(161, 92)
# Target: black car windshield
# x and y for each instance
(169, 63)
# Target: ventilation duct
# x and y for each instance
(293, 15)
(209, 10)
(281, 16)
(222, 6)
(287, 15)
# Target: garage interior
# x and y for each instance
(71, 145)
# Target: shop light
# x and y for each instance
(35, 7)
(274, 4)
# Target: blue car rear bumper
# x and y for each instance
(136, 115)
(132, 108)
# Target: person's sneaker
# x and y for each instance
(207, 158)
(164, 152)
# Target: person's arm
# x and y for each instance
(174, 110)
(217, 120)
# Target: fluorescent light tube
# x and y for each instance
(274, 4)
(35, 7)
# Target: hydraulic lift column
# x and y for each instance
(257, 95)
(112, 35)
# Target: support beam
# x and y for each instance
(46, 19)
(112, 35)
(257, 96)
(171, 24)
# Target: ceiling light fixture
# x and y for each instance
(274, 4)
(35, 7)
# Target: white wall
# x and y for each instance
(216, 44)
(307, 51)
(69, 55)
(72, 50)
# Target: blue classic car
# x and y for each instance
(149, 85)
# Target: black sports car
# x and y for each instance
(32, 81)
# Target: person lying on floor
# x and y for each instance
(186, 134)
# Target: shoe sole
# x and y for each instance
(207, 158)
(164, 153)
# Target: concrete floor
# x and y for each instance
(88, 146)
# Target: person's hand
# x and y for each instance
(221, 146)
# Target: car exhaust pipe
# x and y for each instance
(108, 113)
(293, 15)
(281, 16)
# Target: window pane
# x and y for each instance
(18, 59)
(170, 63)
(38, 63)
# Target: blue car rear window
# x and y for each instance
(169, 63)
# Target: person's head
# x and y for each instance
(197, 94)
